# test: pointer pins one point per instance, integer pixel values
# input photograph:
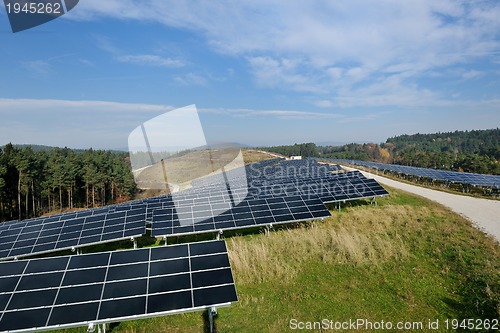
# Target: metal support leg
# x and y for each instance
(212, 312)
(219, 234)
(165, 239)
(134, 241)
(268, 229)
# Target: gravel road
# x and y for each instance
(483, 213)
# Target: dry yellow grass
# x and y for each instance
(179, 170)
(363, 236)
(251, 156)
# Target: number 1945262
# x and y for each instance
(34, 8)
(473, 324)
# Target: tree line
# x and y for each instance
(299, 149)
(475, 151)
(34, 182)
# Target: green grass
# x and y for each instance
(406, 259)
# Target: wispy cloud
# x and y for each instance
(38, 67)
(86, 62)
(278, 114)
(324, 103)
(334, 49)
(151, 60)
(106, 124)
(191, 79)
(472, 74)
(41, 105)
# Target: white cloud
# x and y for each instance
(472, 74)
(151, 60)
(280, 114)
(38, 67)
(103, 124)
(337, 49)
(377, 33)
(87, 62)
(335, 72)
(324, 103)
(37, 105)
(284, 73)
(82, 123)
(191, 79)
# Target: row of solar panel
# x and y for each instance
(339, 187)
(49, 236)
(257, 184)
(443, 175)
(210, 180)
(277, 168)
(54, 218)
(42, 236)
(70, 291)
(293, 168)
(222, 216)
(65, 231)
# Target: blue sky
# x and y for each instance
(260, 72)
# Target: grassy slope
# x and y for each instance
(406, 259)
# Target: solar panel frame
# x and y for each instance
(64, 292)
(434, 174)
(271, 211)
(71, 234)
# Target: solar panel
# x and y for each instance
(443, 175)
(72, 291)
(344, 186)
(56, 217)
(249, 213)
(42, 236)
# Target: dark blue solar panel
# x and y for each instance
(41, 294)
(44, 235)
(443, 175)
(273, 210)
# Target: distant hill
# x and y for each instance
(36, 148)
(43, 148)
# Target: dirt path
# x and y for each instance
(484, 213)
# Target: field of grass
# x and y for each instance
(406, 259)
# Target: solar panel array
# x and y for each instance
(304, 185)
(43, 235)
(442, 175)
(223, 216)
(265, 180)
(41, 294)
(71, 291)
(332, 188)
